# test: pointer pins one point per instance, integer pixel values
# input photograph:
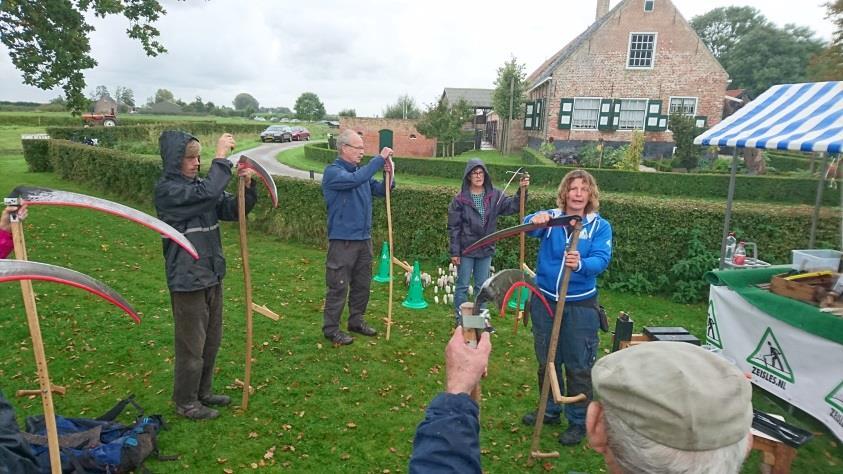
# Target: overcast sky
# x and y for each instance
(358, 54)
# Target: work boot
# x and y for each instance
(340, 338)
(364, 329)
(549, 419)
(196, 411)
(216, 400)
(573, 435)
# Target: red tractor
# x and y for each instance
(101, 119)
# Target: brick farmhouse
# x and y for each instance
(634, 66)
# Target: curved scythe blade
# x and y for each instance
(247, 162)
(514, 174)
(45, 196)
(16, 270)
(515, 230)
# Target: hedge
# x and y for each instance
(686, 185)
(788, 163)
(36, 154)
(38, 120)
(150, 131)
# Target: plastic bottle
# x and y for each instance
(731, 243)
(740, 254)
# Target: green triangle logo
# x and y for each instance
(712, 329)
(835, 398)
(769, 357)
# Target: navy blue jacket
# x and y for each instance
(348, 191)
(448, 439)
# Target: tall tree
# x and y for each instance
(828, 64)
(49, 41)
(723, 28)
(347, 113)
(126, 96)
(244, 101)
(404, 108)
(101, 92)
(508, 97)
(444, 122)
(768, 55)
(309, 107)
(164, 95)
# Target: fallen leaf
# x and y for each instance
(345, 456)
(351, 425)
(222, 460)
(253, 435)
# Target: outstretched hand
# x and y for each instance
(464, 365)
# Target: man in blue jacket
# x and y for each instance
(348, 189)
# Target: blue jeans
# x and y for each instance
(576, 350)
(468, 265)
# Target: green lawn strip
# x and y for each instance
(352, 409)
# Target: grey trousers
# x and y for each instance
(197, 317)
(348, 272)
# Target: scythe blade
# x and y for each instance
(44, 196)
(247, 162)
(16, 270)
(515, 230)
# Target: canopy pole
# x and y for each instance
(816, 216)
(728, 218)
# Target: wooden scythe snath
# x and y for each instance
(266, 178)
(550, 379)
(388, 185)
(521, 314)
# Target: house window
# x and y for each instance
(683, 105)
(642, 48)
(632, 114)
(586, 112)
(649, 5)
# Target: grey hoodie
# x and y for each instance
(465, 225)
(194, 207)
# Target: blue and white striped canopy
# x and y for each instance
(803, 117)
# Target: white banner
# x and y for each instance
(803, 369)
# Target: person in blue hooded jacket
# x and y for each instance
(472, 215)
(348, 189)
(577, 347)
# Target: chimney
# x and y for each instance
(602, 9)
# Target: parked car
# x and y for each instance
(277, 133)
(300, 134)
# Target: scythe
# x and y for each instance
(266, 178)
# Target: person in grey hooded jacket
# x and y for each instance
(473, 214)
(194, 206)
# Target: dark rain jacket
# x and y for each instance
(16, 456)
(448, 440)
(464, 223)
(194, 207)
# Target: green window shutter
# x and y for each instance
(654, 112)
(529, 107)
(701, 121)
(616, 113)
(539, 119)
(566, 113)
(604, 117)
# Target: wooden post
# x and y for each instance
(38, 350)
(520, 314)
(247, 282)
(551, 353)
(388, 184)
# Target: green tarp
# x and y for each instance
(795, 313)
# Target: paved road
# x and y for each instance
(265, 155)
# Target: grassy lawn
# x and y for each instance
(316, 408)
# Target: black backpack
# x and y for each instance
(100, 445)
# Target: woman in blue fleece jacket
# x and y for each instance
(577, 348)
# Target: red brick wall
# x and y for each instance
(682, 67)
(517, 134)
(402, 130)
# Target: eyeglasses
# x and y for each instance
(477, 173)
(353, 146)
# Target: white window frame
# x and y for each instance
(574, 111)
(629, 49)
(696, 103)
(643, 117)
(652, 8)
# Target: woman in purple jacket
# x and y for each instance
(473, 214)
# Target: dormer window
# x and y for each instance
(649, 5)
(642, 50)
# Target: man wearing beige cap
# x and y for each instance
(670, 407)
